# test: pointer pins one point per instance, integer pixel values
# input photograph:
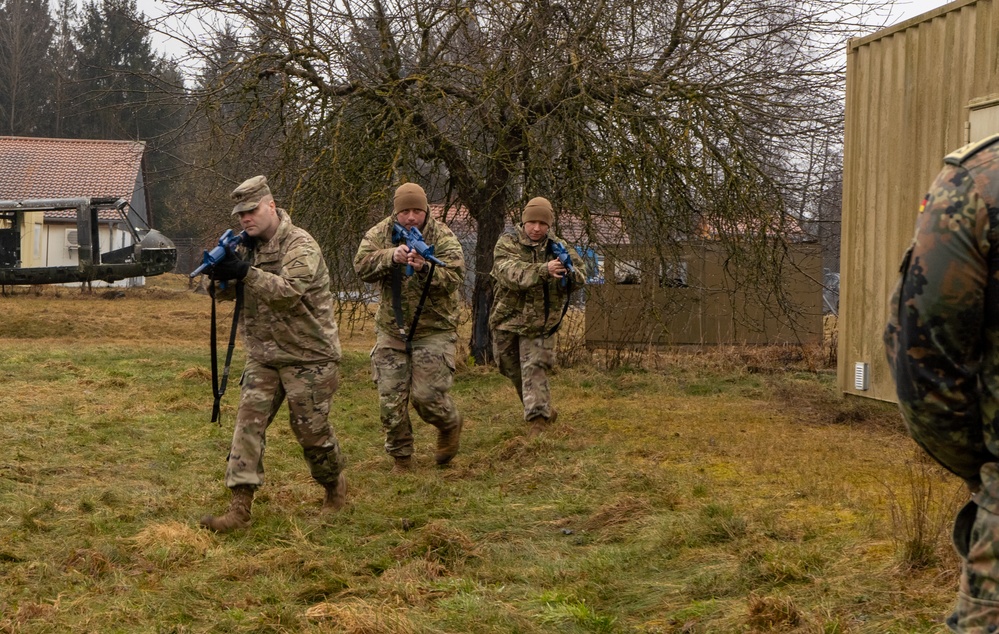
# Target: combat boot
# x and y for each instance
(336, 494)
(447, 444)
(238, 515)
(403, 464)
(540, 423)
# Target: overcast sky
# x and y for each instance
(911, 8)
(904, 9)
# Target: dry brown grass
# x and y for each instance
(620, 512)
(355, 616)
(172, 543)
(769, 613)
(692, 491)
(414, 582)
(198, 373)
(165, 311)
(440, 542)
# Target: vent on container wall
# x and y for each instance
(860, 380)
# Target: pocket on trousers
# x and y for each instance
(963, 525)
(374, 366)
(323, 391)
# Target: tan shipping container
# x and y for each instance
(914, 92)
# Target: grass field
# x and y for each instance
(723, 491)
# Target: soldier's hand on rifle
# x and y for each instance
(229, 268)
(401, 254)
(416, 261)
(556, 269)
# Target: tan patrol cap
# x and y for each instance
(249, 194)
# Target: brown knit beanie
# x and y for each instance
(410, 196)
(538, 209)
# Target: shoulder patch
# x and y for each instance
(961, 155)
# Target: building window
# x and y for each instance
(627, 272)
(673, 274)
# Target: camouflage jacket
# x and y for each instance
(520, 271)
(942, 337)
(288, 314)
(373, 263)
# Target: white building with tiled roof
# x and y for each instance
(40, 168)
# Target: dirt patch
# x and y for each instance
(821, 404)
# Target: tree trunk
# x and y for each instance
(490, 226)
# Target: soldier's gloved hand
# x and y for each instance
(229, 268)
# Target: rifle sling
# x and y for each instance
(397, 304)
(219, 387)
(397, 298)
(565, 308)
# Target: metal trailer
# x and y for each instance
(151, 254)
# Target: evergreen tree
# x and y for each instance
(26, 30)
(123, 90)
(114, 59)
(63, 55)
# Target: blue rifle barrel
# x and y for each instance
(228, 242)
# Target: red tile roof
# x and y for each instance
(777, 225)
(603, 229)
(457, 218)
(33, 168)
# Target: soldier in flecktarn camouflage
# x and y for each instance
(942, 342)
(530, 292)
(293, 351)
(414, 364)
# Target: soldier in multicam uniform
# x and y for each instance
(293, 351)
(942, 341)
(414, 364)
(527, 308)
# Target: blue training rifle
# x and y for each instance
(562, 254)
(227, 243)
(414, 240)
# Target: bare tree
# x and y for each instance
(228, 138)
(682, 116)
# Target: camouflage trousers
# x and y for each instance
(976, 538)
(526, 361)
(308, 389)
(424, 377)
